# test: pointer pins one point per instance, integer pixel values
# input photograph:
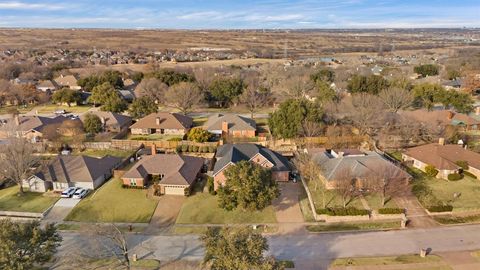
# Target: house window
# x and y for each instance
(133, 182)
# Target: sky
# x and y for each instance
(240, 14)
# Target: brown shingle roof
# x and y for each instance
(37, 122)
(167, 121)
(444, 157)
(440, 117)
(66, 81)
(111, 119)
(177, 169)
(235, 122)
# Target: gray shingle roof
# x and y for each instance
(233, 153)
(235, 122)
(68, 169)
(359, 165)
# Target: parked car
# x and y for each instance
(80, 193)
(67, 193)
(59, 112)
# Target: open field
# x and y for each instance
(29, 202)
(112, 203)
(268, 42)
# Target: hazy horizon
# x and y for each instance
(236, 15)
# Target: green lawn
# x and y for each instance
(104, 152)
(202, 208)
(21, 109)
(112, 203)
(450, 219)
(468, 187)
(154, 137)
(375, 202)
(354, 226)
(52, 108)
(332, 199)
(372, 261)
(29, 202)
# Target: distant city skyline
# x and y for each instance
(246, 14)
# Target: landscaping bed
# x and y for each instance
(373, 261)
(112, 203)
(30, 201)
(354, 226)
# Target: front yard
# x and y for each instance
(29, 202)
(467, 190)
(202, 208)
(112, 203)
(334, 200)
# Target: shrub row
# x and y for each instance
(440, 208)
(133, 187)
(391, 211)
(454, 176)
(349, 211)
(469, 174)
(195, 149)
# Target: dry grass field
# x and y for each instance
(298, 42)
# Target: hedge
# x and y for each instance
(431, 171)
(440, 208)
(454, 176)
(391, 211)
(349, 211)
(470, 174)
(133, 187)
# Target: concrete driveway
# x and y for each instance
(60, 210)
(287, 208)
(166, 213)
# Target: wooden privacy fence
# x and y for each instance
(170, 145)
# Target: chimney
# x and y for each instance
(225, 127)
(477, 110)
(154, 149)
(341, 154)
(157, 121)
(441, 141)
(450, 115)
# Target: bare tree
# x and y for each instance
(183, 96)
(345, 186)
(365, 112)
(153, 88)
(204, 77)
(116, 242)
(255, 97)
(387, 180)
(396, 98)
(17, 158)
(310, 171)
(299, 86)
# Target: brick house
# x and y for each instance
(230, 154)
(176, 173)
(443, 157)
(231, 125)
(162, 123)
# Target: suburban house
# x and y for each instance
(73, 171)
(359, 165)
(46, 86)
(443, 157)
(30, 127)
(230, 154)
(443, 118)
(176, 173)
(112, 122)
(231, 125)
(162, 123)
(68, 81)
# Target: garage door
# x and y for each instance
(174, 190)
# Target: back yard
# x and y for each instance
(103, 152)
(29, 202)
(112, 203)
